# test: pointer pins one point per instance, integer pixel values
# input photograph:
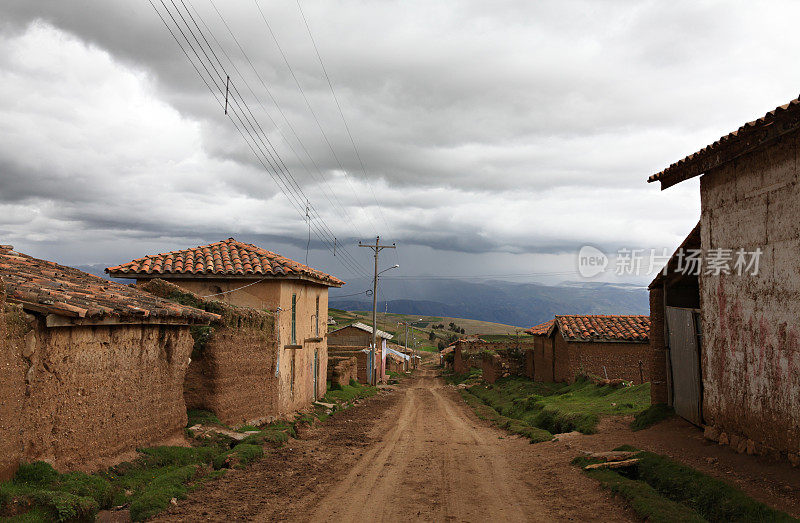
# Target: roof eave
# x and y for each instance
(217, 276)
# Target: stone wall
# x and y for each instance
(618, 360)
(490, 367)
(13, 330)
(341, 369)
(751, 323)
(95, 394)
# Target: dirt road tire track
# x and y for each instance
(414, 454)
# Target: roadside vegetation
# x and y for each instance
(651, 415)
(661, 490)
(147, 485)
(560, 407)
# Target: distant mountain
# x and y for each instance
(521, 304)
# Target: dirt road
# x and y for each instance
(416, 453)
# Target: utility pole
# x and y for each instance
(377, 248)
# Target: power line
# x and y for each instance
(310, 108)
(274, 154)
(345, 212)
(236, 109)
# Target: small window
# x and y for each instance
(294, 323)
(316, 320)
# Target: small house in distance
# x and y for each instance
(355, 340)
(748, 363)
(605, 346)
(90, 369)
(245, 275)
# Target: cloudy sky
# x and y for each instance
(496, 138)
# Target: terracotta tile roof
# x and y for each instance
(543, 329)
(224, 259)
(604, 328)
(47, 287)
(747, 138)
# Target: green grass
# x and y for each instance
(483, 411)
(523, 338)
(660, 489)
(559, 407)
(147, 484)
(651, 415)
(349, 393)
(202, 417)
(474, 375)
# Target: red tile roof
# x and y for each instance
(604, 328)
(543, 329)
(226, 259)
(747, 138)
(47, 287)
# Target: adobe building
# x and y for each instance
(749, 364)
(89, 369)
(355, 340)
(233, 362)
(245, 275)
(604, 346)
(539, 362)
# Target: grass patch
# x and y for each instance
(202, 417)
(475, 375)
(349, 393)
(651, 415)
(660, 489)
(515, 426)
(39, 493)
(561, 407)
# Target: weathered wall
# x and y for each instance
(543, 359)
(13, 330)
(296, 389)
(658, 352)
(751, 324)
(490, 367)
(232, 372)
(361, 356)
(341, 369)
(94, 394)
(350, 336)
(621, 360)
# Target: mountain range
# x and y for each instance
(519, 304)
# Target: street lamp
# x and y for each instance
(374, 306)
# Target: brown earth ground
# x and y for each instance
(417, 452)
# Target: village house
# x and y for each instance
(604, 346)
(89, 369)
(244, 275)
(746, 377)
(356, 340)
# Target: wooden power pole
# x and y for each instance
(377, 248)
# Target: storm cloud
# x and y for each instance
(496, 137)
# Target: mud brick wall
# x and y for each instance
(621, 360)
(341, 369)
(14, 331)
(233, 367)
(357, 352)
(491, 367)
(95, 394)
(658, 356)
(542, 356)
(751, 324)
